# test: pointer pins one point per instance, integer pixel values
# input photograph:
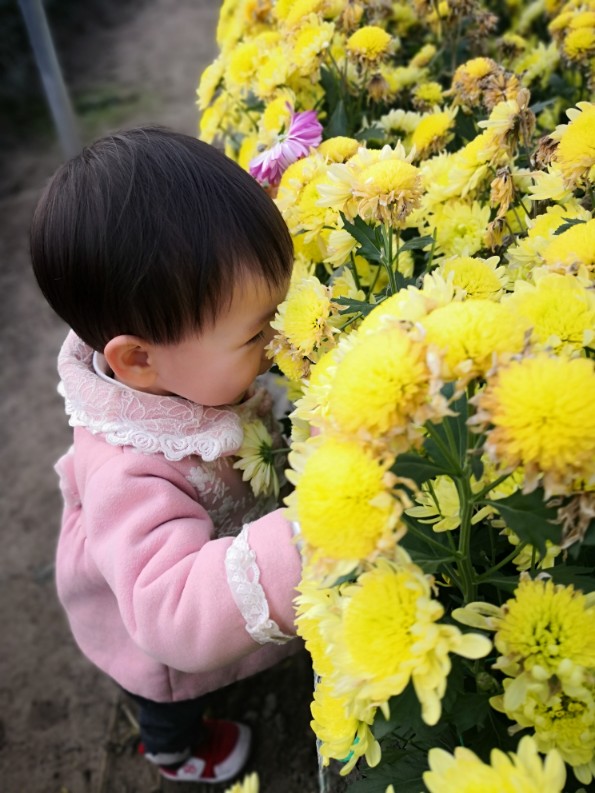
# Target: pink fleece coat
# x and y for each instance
(162, 590)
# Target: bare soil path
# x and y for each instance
(64, 728)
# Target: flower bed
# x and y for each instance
(434, 162)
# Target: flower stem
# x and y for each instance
(446, 451)
(426, 538)
(501, 563)
(353, 268)
(482, 493)
(387, 259)
(432, 250)
(464, 566)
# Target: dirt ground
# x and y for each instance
(64, 728)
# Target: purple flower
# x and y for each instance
(305, 132)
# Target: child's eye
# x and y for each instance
(259, 336)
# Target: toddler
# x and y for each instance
(168, 262)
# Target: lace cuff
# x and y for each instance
(243, 577)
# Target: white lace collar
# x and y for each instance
(173, 426)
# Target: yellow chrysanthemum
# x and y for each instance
(292, 184)
(399, 122)
(440, 506)
(213, 119)
(379, 185)
(312, 40)
(313, 606)
(528, 556)
(388, 634)
(248, 150)
(209, 80)
(382, 385)
(276, 117)
(433, 132)
(545, 625)
(248, 785)
(511, 122)
(303, 315)
(343, 737)
(402, 78)
(291, 13)
(427, 95)
(563, 720)
(256, 460)
(464, 772)
(369, 44)
(409, 304)
(575, 155)
(423, 56)
(579, 44)
(404, 16)
(560, 310)
(388, 190)
(537, 63)
(526, 253)
(242, 65)
(293, 365)
(480, 278)
(468, 76)
(273, 71)
(459, 227)
(472, 165)
(471, 333)
(342, 501)
(573, 249)
(338, 149)
(314, 403)
(230, 25)
(340, 247)
(310, 217)
(541, 412)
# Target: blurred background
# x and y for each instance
(63, 727)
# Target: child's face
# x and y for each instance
(217, 366)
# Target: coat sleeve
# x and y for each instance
(151, 541)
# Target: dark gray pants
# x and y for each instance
(169, 727)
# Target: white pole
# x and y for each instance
(51, 75)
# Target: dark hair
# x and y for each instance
(148, 232)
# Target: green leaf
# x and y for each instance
(426, 556)
(416, 243)
(338, 123)
(580, 577)
(366, 236)
(589, 538)
(476, 466)
(470, 712)
(568, 224)
(494, 735)
(252, 102)
(404, 773)
(530, 518)
(371, 135)
(439, 458)
(420, 469)
(453, 434)
(354, 306)
(502, 581)
(539, 106)
(405, 720)
(330, 83)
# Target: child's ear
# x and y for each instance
(130, 359)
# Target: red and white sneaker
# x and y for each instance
(219, 757)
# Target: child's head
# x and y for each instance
(154, 236)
